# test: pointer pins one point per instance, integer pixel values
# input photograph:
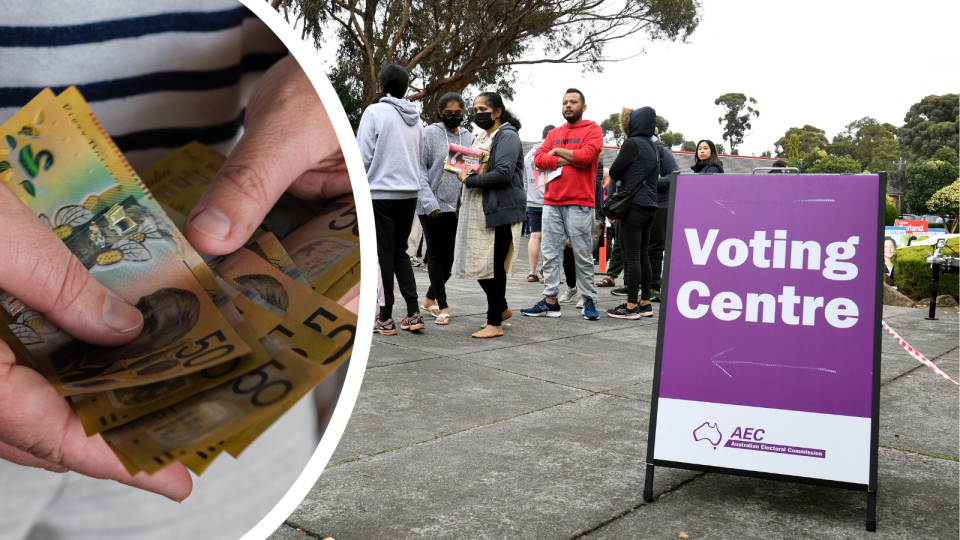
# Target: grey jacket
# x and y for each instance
(534, 195)
(443, 186)
(390, 138)
(504, 199)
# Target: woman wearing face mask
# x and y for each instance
(889, 246)
(437, 207)
(494, 207)
(707, 159)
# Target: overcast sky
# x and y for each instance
(823, 63)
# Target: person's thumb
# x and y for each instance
(39, 271)
(286, 134)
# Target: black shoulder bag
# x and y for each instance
(617, 206)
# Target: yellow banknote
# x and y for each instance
(313, 325)
(268, 248)
(179, 179)
(328, 246)
(203, 423)
(127, 247)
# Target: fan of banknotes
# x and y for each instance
(229, 343)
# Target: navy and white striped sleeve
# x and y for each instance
(157, 74)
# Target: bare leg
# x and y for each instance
(533, 251)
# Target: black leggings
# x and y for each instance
(392, 219)
(634, 240)
(441, 235)
(658, 240)
(570, 267)
(496, 287)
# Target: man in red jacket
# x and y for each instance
(568, 204)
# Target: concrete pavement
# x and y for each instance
(542, 434)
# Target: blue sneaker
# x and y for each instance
(542, 309)
(590, 310)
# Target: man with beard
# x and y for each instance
(568, 204)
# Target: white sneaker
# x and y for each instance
(580, 303)
(568, 295)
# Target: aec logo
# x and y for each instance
(708, 432)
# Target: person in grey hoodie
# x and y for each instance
(437, 205)
(390, 138)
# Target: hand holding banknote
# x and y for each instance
(38, 428)
(288, 143)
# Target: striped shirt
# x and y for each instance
(158, 74)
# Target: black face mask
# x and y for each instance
(483, 120)
(452, 120)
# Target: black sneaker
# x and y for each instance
(655, 295)
(623, 312)
(619, 291)
(646, 311)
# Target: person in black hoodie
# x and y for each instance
(504, 202)
(707, 159)
(637, 165)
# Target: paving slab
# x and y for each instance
(609, 359)
(642, 390)
(917, 498)
(384, 353)
(931, 338)
(541, 475)
(919, 412)
(407, 403)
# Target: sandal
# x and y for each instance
(443, 318)
(432, 310)
(532, 278)
(607, 282)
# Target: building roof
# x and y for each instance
(731, 164)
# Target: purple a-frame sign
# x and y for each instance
(769, 338)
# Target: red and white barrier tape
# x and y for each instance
(916, 354)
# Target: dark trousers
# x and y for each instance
(658, 241)
(615, 266)
(634, 243)
(441, 236)
(496, 287)
(393, 219)
(569, 267)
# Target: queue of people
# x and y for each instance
(472, 221)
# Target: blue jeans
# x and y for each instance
(559, 223)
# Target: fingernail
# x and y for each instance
(212, 222)
(120, 315)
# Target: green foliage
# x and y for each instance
(612, 132)
(912, 273)
(736, 119)
(862, 139)
(931, 125)
(662, 124)
(453, 45)
(688, 146)
(891, 216)
(794, 152)
(820, 162)
(766, 153)
(809, 138)
(926, 177)
(672, 139)
(720, 148)
(946, 200)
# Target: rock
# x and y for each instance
(893, 297)
(945, 300)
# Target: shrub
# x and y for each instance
(913, 273)
(892, 215)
